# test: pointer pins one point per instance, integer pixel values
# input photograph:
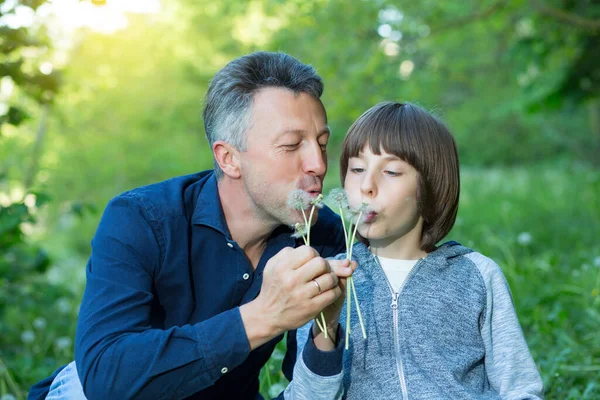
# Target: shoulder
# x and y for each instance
(162, 199)
(488, 268)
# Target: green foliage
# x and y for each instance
(36, 317)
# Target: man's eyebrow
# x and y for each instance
(300, 131)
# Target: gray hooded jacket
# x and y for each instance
(451, 332)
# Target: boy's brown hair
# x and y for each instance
(422, 140)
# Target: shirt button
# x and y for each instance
(246, 276)
(224, 370)
(230, 245)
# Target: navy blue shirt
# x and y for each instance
(160, 313)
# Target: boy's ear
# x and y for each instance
(227, 158)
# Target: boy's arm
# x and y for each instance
(317, 374)
(510, 367)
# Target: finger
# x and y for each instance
(300, 256)
(322, 284)
(342, 268)
(325, 299)
(312, 269)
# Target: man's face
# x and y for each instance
(286, 151)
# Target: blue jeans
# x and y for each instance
(66, 385)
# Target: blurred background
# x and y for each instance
(98, 97)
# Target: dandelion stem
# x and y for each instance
(309, 224)
(362, 325)
(348, 309)
(344, 226)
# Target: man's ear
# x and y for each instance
(227, 158)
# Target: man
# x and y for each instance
(192, 281)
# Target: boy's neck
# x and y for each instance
(407, 247)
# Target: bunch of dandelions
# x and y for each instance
(301, 200)
(338, 198)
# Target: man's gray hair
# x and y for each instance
(228, 105)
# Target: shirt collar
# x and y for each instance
(208, 209)
(209, 212)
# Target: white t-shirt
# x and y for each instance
(396, 270)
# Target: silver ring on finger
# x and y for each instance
(317, 285)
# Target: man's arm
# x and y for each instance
(118, 354)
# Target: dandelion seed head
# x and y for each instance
(338, 197)
(63, 342)
(299, 230)
(27, 336)
(317, 201)
(524, 238)
(299, 200)
(39, 323)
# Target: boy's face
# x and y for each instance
(388, 185)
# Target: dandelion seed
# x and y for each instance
(299, 200)
(27, 336)
(524, 238)
(39, 323)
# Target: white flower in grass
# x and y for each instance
(597, 262)
(63, 305)
(524, 238)
(299, 200)
(63, 342)
(27, 336)
(8, 397)
(39, 323)
(275, 389)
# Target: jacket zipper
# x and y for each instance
(395, 296)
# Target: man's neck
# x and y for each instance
(246, 227)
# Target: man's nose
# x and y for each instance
(315, 160)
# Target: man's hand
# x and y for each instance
(289, 296)
(343, 269)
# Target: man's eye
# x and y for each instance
(291, 146)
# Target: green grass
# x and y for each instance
(541, 225)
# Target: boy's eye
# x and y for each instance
(393, 173)
(357, 170)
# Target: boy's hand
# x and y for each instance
(343, 269)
